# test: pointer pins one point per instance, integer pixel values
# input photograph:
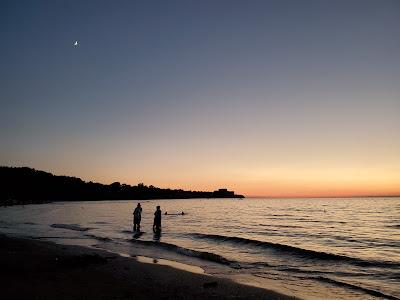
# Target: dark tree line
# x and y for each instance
(26, 185)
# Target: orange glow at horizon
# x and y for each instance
(320, 172)
(277, 183)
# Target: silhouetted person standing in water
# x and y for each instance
(157, 220)
(137, 217)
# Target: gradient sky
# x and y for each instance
(272, 98)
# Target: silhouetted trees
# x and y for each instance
(26, 185)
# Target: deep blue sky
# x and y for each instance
(252, 95)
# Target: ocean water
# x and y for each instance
(346, 248)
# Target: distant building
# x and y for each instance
(224, 193)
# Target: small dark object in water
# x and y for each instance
(208, 285)
(174, 214)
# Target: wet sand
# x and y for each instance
(44, 270)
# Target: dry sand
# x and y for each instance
(31, 269)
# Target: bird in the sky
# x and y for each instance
(76, 43)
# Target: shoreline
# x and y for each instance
(45, 270)
(14, 202)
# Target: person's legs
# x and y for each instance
(158, 226)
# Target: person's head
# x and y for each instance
(158, 207)
(138, 204)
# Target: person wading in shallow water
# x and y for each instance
(137, 217)
(157, 220)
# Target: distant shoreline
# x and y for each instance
(4, 203)
(23, 185)
(320, 197)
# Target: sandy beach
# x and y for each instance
(44, 270)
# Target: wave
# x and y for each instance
(192, 253)
(353, 274)
(99, 238)
(314, 272)
(53, 237)
(4, 224)
(394, 226)
(356, 287)
(306, 253)
(282, 226)
(74, 227)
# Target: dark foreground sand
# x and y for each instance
(32, 269)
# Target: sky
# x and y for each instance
(267, 98)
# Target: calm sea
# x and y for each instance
(312, 248)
